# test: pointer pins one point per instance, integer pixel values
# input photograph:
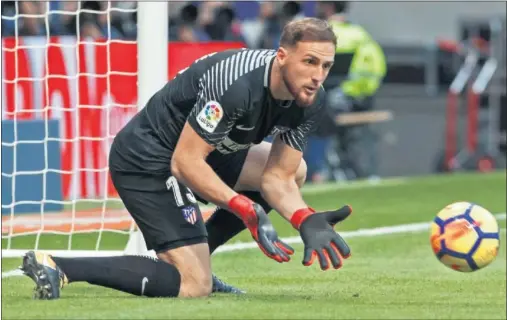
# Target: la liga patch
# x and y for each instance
(210, 116)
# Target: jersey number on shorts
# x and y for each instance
(172, 184)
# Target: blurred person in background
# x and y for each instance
(95, 19)
(30, 18)
(26, 25)
(276, 19)
(358, 72)
(221, 24)
(291, 10)
(206, 12)
(264, 31)
(8, 11)
(185, 27)
(97, 24)
(32, 25)
(125, 19)
(62, 19)
(65, 23)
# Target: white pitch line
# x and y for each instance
(12, 273)
(355, 184)
(370, 232)
(121, 215)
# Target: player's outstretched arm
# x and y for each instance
(189, 166)
(209, 123)
(280, 190)
(278, 184)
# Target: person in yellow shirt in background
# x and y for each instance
(357, 74)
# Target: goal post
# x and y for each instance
(152, 62)
(63, 100)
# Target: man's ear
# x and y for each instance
(282, 55)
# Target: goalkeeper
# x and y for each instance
(201, 138)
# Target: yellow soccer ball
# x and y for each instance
(465, 237)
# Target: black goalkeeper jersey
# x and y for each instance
(225, 97)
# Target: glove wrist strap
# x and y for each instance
(300, 215)
(243, 207)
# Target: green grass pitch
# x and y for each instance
(392, 276)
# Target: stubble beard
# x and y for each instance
(301, 99)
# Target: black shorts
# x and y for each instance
(165, 211)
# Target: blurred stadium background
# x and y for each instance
(74, 72)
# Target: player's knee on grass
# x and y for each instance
(193, 264)
(196, 284)
(301, 173)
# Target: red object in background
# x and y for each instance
(15, 67)
(451, 127)
(453, 102)
(473, 101)
(182, 54)
(74, 84)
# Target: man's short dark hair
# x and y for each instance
(307, 30)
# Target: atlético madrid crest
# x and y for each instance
(190, 214)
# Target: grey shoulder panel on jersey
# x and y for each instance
(224, 94)
(220, 71)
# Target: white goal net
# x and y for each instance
(72, 75)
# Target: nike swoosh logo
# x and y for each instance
(242, 127)
(143, 284)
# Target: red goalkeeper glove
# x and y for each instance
(319, 237)
(263, 232)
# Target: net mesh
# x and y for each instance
(64, 99)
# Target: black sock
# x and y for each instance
(224, 225)
(133, 274)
